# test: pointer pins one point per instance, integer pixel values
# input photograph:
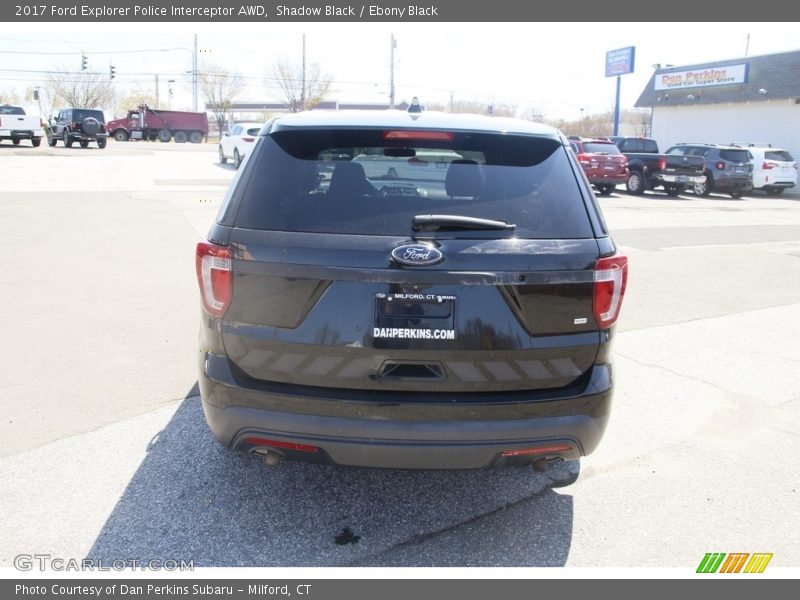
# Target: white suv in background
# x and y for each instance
(774, 169)
(236, 143)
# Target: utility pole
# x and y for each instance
(452, 106)
(194, 75)
(157, 104)
(747, 45)
(303, 82)
(392, 46)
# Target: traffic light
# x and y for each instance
(84, 60)
(35, 94)
(111, 70)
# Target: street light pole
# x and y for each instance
(194, 75)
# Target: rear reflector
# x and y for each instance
(248, 139)
(213, 264)
(555, 449)
(259, 441)
(442, 136)
(610, 281)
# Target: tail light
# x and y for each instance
(662, 163)
(610, 281)
(248, 139)
(584, 159)
(214, 276)
(767, 166)
(719, 165)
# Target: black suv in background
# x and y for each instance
(729, 169)
(421, 290)
(80, 125)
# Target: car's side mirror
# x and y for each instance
(227, 134)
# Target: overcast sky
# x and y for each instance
(556, 68)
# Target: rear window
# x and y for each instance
(735, 155)
(599, 147)
(81, 114)
(363, 182)
(11, 110)
(253, 131)
(779, 155)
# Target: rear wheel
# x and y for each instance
(196, 137)
(84, 144)
(67, 141)
(36, 142)
(101, 143)
(15, 141)
(52, 141)
(772, 191)
(635, 183)
(120, 135)
(736, 195)
(673, 190)
(222, 158)
(703, 189)
(237, 159)
(605, 189)
(181, 137)
(164, 135)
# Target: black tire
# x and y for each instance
(52, 141)
(605, 189)
(237, 159)
(120, 135)
(90, 126)
(635, 183)
(737, 194)
(673, 190)
(703, 189)
(222, 158)
(36, 141)
(102, 143)
(164, 135)
(15, 142)
(772, 191)
(67, 140)
(196, 137)
(84, 144)
(181, 137)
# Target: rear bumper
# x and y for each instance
(684, 179)
(20, 134)
(78, 136)
(383, 432)
(735, 184)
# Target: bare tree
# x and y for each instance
(133, 98)
(301, 88)
(83, 90)
(9, 96)
(221, 88)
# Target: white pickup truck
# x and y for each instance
(15, 125)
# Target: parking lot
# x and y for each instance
(104, 452)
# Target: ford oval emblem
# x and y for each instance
(417, 255)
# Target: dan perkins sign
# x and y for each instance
(702, 78)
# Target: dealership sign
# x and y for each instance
(620, 62)
(702, 77)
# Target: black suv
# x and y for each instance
(421, 290)
(80, 125)
(729, 169)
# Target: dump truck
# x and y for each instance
(151, 124)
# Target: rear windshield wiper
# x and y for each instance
(439, 222)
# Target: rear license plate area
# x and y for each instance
(414, 316)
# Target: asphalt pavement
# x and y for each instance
(104, 452)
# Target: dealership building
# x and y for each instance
(755, 99)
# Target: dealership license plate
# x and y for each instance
(414, 316)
